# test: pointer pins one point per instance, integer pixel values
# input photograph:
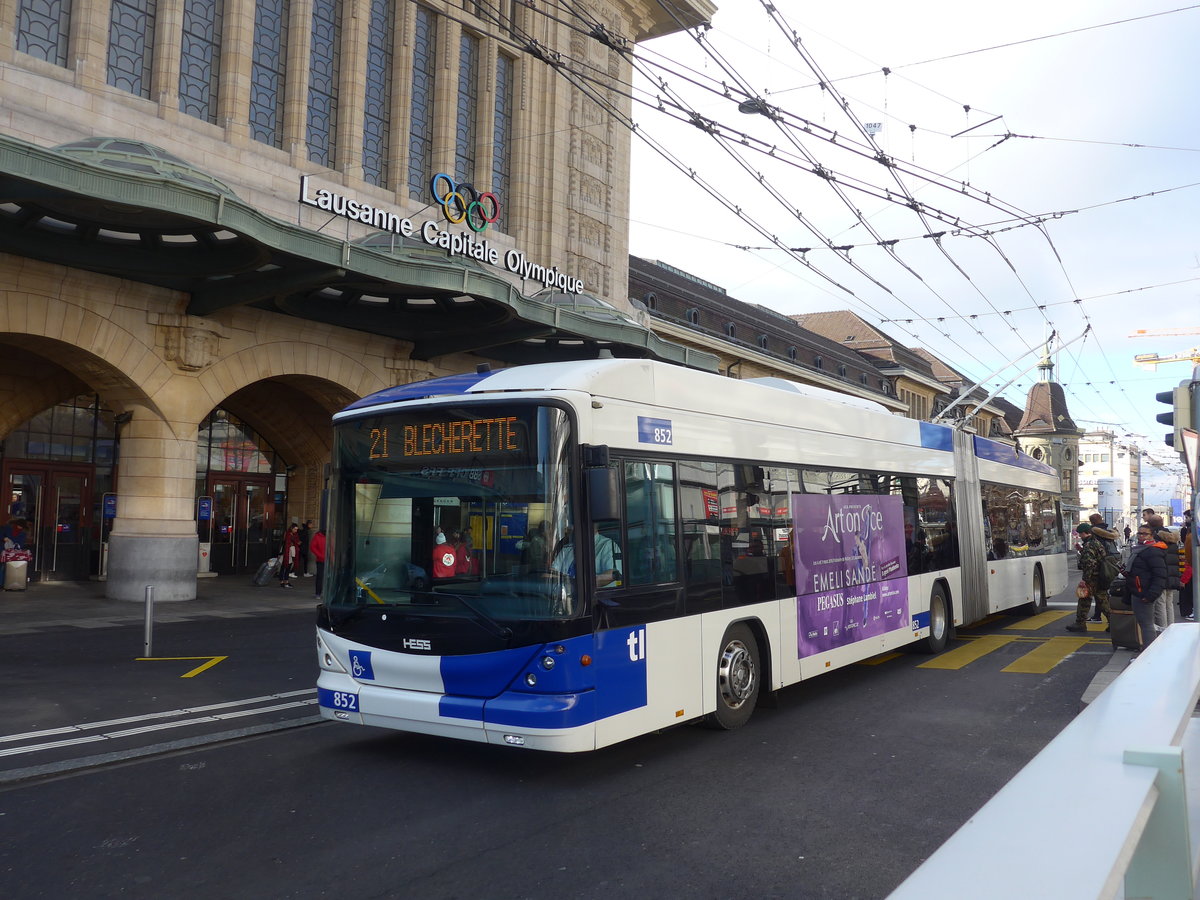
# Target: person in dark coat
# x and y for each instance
(1147, 578)
(306, 531)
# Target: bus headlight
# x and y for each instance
(531, 678)
(547, 663)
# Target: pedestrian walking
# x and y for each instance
(289, 558)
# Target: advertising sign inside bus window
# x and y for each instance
(851, 568)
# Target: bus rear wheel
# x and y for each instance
(939, 622)
(1038, 603)
(739, 677)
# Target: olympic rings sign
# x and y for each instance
(462, 203)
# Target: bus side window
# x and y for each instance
(746, 535)
(699, 516)
(650, 523)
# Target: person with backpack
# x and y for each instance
(1111, 565)
(1092, 556)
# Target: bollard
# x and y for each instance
(149, 633)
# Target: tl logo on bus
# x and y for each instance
(637, 645)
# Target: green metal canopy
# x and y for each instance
(125, 208)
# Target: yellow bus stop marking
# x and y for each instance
(1033, 623)
(212, 661)
(1042, 659)
(968, 652)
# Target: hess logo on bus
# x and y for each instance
(417, 644)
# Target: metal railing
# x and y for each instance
(1103, 811)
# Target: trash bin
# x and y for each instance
(16, 573)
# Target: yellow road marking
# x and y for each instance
(1041, 620)
(968, 652)
(212, 661)
(881, 658)
(1042, 659)
(994, 617)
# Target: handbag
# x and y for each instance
(1118, 588)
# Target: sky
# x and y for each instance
(1054, 148)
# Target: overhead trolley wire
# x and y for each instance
(589, 79)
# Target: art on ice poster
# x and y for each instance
(851, 568)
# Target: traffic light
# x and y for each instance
(1181, 415)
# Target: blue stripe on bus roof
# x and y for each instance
(1009, 456)
(936, 437)
(418, 390)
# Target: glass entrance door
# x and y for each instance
(55, 502)
(243, 513)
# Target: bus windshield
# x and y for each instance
(453, 511)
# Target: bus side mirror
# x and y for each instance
(603, 493)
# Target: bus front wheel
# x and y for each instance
(739, 676)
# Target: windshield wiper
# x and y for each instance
(501, 631)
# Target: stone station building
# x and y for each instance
(220, 223)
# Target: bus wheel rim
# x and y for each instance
(937, 618)
(736, 674)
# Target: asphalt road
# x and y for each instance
(839, 793)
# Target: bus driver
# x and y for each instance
(607, 556)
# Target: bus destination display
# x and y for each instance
(451, 439)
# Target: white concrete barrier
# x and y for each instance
(1104, 810)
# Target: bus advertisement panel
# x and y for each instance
(851, 569)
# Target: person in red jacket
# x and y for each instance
(444, 559)
(466, 562)
(316, 547)
(291, 554)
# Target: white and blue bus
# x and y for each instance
(562, 556)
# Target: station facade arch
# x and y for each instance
(122, 412)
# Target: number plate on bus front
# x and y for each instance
(343, 700)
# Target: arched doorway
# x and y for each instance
(57, 475)
(241, 486)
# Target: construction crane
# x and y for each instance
(1164, 332)
(1152, 361)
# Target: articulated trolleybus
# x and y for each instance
(562, 556)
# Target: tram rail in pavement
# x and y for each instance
(80, 693)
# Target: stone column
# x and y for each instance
(153, 539)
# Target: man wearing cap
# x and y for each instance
(1091, 562)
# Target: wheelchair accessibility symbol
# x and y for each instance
(360, 665)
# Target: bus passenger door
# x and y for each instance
(645, 546)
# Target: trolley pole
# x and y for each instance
(148, 642)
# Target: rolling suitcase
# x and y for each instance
(1123, 629)
(265, 572)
